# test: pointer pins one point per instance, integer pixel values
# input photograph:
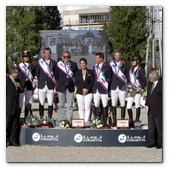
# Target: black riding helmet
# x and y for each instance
(26, 53)
(136, 58)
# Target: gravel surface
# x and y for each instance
(28, 153)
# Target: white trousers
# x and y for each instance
(27, 94)
(115, 94)
(84, 103)
(46, 92)
(131, 98)
(97, 97)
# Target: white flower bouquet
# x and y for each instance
(64, 124)
(32, 120)
(98, 123)
(45, 120)
(129, 88)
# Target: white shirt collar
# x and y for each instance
(155, 83)
(100, 64)
(26, 63)
(12, 78)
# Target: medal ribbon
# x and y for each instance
(135, 77)
(98, 70)
(46, 69)
(66, 65)
(119, 74)
(49, 66)
(62, 66)
(29, 68)
(101, 77)
(117, 66)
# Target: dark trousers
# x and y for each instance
(12, 122)
(155, 129)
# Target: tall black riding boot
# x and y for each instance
(50, 111)
(137, 114)
(19, 111)
(25, 113)
(114, 116)
(105, 115)
(123, 112)
(41, 110)
(131, 124)
(97, 112)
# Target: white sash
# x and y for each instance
(118, 72)
(61, 65)
(44, 66)
(101, 77)
(27, 72)
(133, 78)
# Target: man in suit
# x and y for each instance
(13, 88)
(65, 72)
(120, 77)
(154, 103)
(102, 78)
(27, 73)
(46, 81)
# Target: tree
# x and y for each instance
(52, 18)
(23, 24)
(22, 31)
(127, 30)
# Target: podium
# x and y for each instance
(84, 137)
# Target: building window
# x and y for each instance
(95, 28)
(91, 28)
(81, 28)
(85, 28)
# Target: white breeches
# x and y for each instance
(136, 97)
(115, 94)
(97, 97)
(46, 92)
(84, 103)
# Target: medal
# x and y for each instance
(98, 80)
(26, 79)
(67, 76)
(49, 75)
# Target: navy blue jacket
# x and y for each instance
(61, 78)
(43, 78)
(22, 78)
(81, 84)
(118, 82)
(141, 77)
(106, 69)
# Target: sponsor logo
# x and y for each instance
(40, 137)
(78, 138)
(36, 137)
(83, 138)
(122, 138)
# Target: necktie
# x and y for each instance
(152, 88)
